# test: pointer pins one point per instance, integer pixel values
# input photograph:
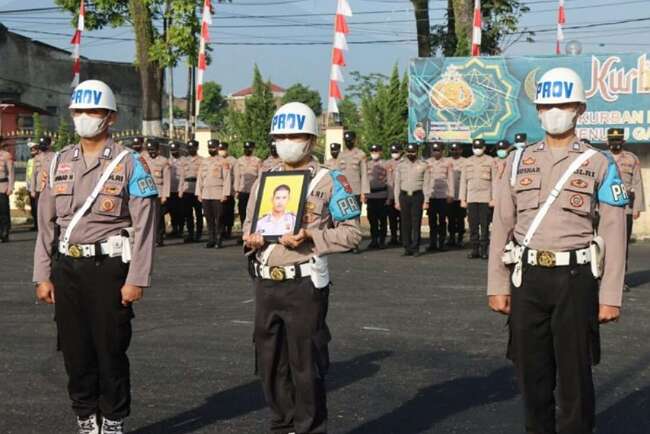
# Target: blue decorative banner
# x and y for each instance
(465, 98)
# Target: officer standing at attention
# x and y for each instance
(291, 280)
(160, 171)
(629, 168)
(29, 174)
(353, 164)
(247, 170)
(394, 222)
(192, 209)
(503, 149)
(272, 160)
(102, 198)
(41, 165)
(438, 185)
(334, 162)
(213, 188)
(455, 213)
(174, 202)
(409, 189)
(229, 210)
(544, 222)
(7, 178)
(378, 198)
(476, 195)
(137, 143)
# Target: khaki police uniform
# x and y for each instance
(353, 163)
(333, 163)
(229, 217)
(94, 328)
(192, 208)
(247, 170)
(161, 173)
(393, 213)
(174, 201)
(213, 188)
(7, 178)
(554, 313)
(455, 213)
(377, 201)
(291, 333)
(270, 163)
(39, 176)
(476, 189)
(409, 189)
(629, 167)
(438, 185)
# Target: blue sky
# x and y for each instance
(284, 65)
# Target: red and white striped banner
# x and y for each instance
(76, 45)
(206, 21)
(341, 29)
(476, 29)
(561, 20)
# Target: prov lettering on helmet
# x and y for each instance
(291, 121)
(86, 96)
(555, 89)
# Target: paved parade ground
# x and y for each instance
(414, 350)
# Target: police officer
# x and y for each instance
(137, 144)
(476, 195)
(455, 213)
(502, 150)
(229, 210)
(7, 178)
(89, 273)
(393, 213)
(409, 194)
(557, 301)
(40, 173)
(334, 162)
(438, 185)
(161, 172)
(291, 280)
(521, 140)
(353, 164)
(174, 201)
(272, 160)
(213, 188)
(29, 175)
(192, 208)
(246, 172)
(378, 198)
(629, 168)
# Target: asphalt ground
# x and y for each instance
(415, 349)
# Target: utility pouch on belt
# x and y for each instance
(320, 273)
(128, 238)
(597, 249)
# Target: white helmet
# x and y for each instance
(92, 94)
(560, 86)
(294, 118)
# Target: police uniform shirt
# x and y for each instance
(190, 166)
(378, 180)
(7, 172)
(215, 179)
(630, 170)
(333, 163)
(41, 170)
(161, 173)
(331, 215)
(391, 168)
(353, 164)
(438, 179)
(246, 172)
(409, 176)
(477, 179)
(456, 168)
(268, 225)
(233, 163)
(270, 163)
(175, 174)
(568, 225)
(124, 201)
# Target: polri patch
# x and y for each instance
(528, 161)
(577, 201)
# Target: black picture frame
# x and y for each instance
(304, 177)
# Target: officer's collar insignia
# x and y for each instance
(75, 154)
(528, 161)
(576, 146)
(107, 153)
(540, 147)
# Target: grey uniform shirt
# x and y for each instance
(409, 176)
(477, 179)
(457, 168)
(378, 180)
(175, 165)
(629, 167)
(189, 173)
(246, 172)
(161, 172)
(215, 179)
(353, 164)
(41, 171)
(438, 179)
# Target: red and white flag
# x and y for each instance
(476, 29)
(76, 45)
(561, 20)
(206, 21)
(341, 29)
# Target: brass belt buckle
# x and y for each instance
(278, 274)
(74, 251)
(546, 259)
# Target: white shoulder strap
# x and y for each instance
(515, 166)
(555, 193)
(90, 199)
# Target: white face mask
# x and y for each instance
(292, 150)
(375, 155)
(478, 151)
(395, 155)
(223, 153)
(558, 121)
(89, 126)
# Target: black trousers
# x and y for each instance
(291, 347)
(479, 218)
(5, 216)
(394, 223)
(554, 340)
(437, 222)
(242, 203)
(33, 206)
(162, 210)
(456, 219)
(378, 219)
(411, 209)
(175, 211)
(94, 333)
(193, 212)
(229, 214)
(215, 217)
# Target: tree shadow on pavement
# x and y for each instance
(439, 401)
(246, 398)
(630, 415)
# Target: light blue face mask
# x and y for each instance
(520, 145)
(502, 153)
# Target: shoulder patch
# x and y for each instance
(141, 183)
(612, 189)
(343, 204)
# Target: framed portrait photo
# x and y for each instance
(280, 204)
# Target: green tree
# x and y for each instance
(301, 93)
(64, 135)
(38, 126)
(404, 98)
(391, 106)
(349, 113)
(213, 106)
(260, 107)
